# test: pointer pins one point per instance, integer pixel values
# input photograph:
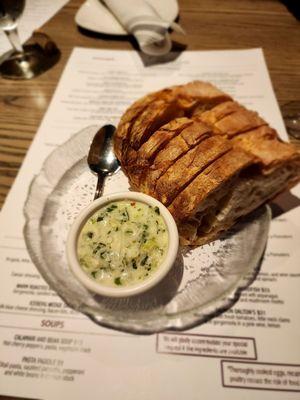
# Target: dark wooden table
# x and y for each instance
(210, 24)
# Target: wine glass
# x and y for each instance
(291, 116)
(28, 61)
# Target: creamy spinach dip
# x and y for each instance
(123, 243)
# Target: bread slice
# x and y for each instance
(184, 170)
(218, 112)
(269, 151)
(152, 118)
(188, 138)
(161, 137)
(237, 122)
(234, 122)
(231, 201)
(124, 127)
(137, 163)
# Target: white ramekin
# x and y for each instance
(157, 276)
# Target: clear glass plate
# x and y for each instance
(203, 282)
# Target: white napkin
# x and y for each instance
(140, 19)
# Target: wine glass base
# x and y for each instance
(32, 62)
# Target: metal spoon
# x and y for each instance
(101, 158)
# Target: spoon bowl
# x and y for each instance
(101, 158)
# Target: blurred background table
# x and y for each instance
(210, 25)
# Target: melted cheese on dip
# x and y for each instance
(123, 243)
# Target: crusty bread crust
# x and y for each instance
(192, 163)
(205, 156)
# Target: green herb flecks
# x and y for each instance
(144, 260)
(125, 215)
(111, 208)
(98, 247)
(102, 255)
(118, 281)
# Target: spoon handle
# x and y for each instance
(99, 186)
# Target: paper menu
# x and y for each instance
(49, 351)
(36, 13)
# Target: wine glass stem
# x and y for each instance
(14, 38)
